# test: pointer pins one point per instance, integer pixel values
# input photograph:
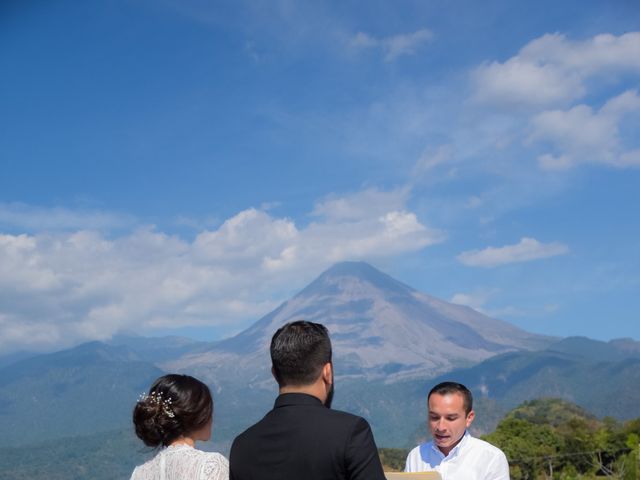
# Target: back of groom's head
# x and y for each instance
(299, 351)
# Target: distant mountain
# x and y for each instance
(159, 349)
(601, 377)
(387, 338)
(391, 345)
(100, 456)
(10, 358)
(597, 351)
(380, 329)
(87, 389)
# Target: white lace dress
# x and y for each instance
(183, 462)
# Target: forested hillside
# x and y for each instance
(551, 438)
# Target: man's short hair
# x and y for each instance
(299, 351)
(448, 388)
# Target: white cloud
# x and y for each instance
(32, 218)
(362, 40)
(553, 70)
(405, 44)
(431, 159)
(390, 234)
(479, 298)
(394, 46)
(519, 82)
(580, 135)
(474, 202)
(526, 250)
(57, 289)
(368, 203)
(476, 299)
(591, 56)
(629, 159)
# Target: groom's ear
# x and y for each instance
(327, 373)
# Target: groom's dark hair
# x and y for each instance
(299, 350)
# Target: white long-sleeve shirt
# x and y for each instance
(471, 459)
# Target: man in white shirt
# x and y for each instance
(452, 452)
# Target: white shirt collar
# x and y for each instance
(455, 450)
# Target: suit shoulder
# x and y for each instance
(346, 418)
(344, 415)
(246, 434)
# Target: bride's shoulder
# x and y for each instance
(216, 466)
(215, 458)
(145, 471)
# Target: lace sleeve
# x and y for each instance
(216, 467)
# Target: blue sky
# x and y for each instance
(185, 166)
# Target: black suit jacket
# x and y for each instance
(301, 439)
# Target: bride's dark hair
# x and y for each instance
(176, 405)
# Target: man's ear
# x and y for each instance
(327, 373)
(273, 372)
(470, 418)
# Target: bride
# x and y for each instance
(177, 411)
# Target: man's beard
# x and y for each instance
(327, 402)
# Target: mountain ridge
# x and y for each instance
(379, 326)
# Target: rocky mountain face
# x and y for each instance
(381, 329)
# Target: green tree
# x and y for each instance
(629, 464)
(530, 448)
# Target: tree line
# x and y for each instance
(553, 439)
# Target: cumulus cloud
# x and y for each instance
(551, 85)
(526, 250)
(394, 46)
(553, 70)
(582, 135)
(59, 288)
(522, 83)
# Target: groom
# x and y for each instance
(302, 438)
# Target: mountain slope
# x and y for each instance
(380, 328)
(86, 389)
(601, 377)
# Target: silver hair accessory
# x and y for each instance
(156, 397)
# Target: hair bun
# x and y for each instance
(154, 420)
(176, 405)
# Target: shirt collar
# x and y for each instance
(288, 399)
(455, 450)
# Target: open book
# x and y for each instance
(412, 476)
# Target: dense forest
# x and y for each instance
(553, 439)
